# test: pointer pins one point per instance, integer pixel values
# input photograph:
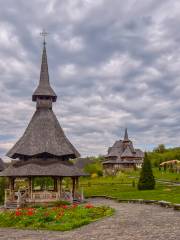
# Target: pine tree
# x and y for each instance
(146, 180)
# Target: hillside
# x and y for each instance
(159, 155)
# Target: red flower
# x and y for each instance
(89, 205)
(18, 213)
(65, 207)
(74, 205)
(30, 212)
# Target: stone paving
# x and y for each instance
(131, 222)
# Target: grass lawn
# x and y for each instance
(57, 218)
(122, 187)
(160, 175)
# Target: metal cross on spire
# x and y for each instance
(44, 34)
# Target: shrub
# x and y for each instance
(146, 180)
(94, 168)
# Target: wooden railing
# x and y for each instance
(23, 197)
(9, 195)
(44, 196)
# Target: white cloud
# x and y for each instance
(71, 44)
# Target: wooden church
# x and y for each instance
(42, 151)
(122, 155)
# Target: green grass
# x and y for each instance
(166, 193)
(160, 175)
(58, 219)
(121, 187)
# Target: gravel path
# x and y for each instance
(131, 222)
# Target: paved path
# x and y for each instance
(131, 222)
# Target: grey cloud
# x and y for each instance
(112, 65)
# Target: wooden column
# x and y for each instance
(55, 184)
(30, 187)
(77, 183)
(11, 187)
(73, 187)
(11, 183)
(59, 187)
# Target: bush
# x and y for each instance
(94, 168)
(146, 180)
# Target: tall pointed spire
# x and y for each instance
(44, 89)
(126, 138)
(44, 136)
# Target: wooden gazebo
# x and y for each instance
(42, 151)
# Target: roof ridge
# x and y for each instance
(127, 152)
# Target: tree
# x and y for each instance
(160, 148)
(146, 180)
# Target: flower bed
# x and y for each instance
(61, 218)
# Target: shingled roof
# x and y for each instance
(42, 167)
(121, 150)
(127, 153)
(44, 134)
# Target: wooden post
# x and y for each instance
(59, 187)
(55, 184)
(30, 187)
(5, 198)
(73, 187)
(77, 183)
(11, 187)
(11, 183)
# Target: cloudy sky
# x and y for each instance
(113, 64)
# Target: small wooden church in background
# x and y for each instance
(122, 155)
